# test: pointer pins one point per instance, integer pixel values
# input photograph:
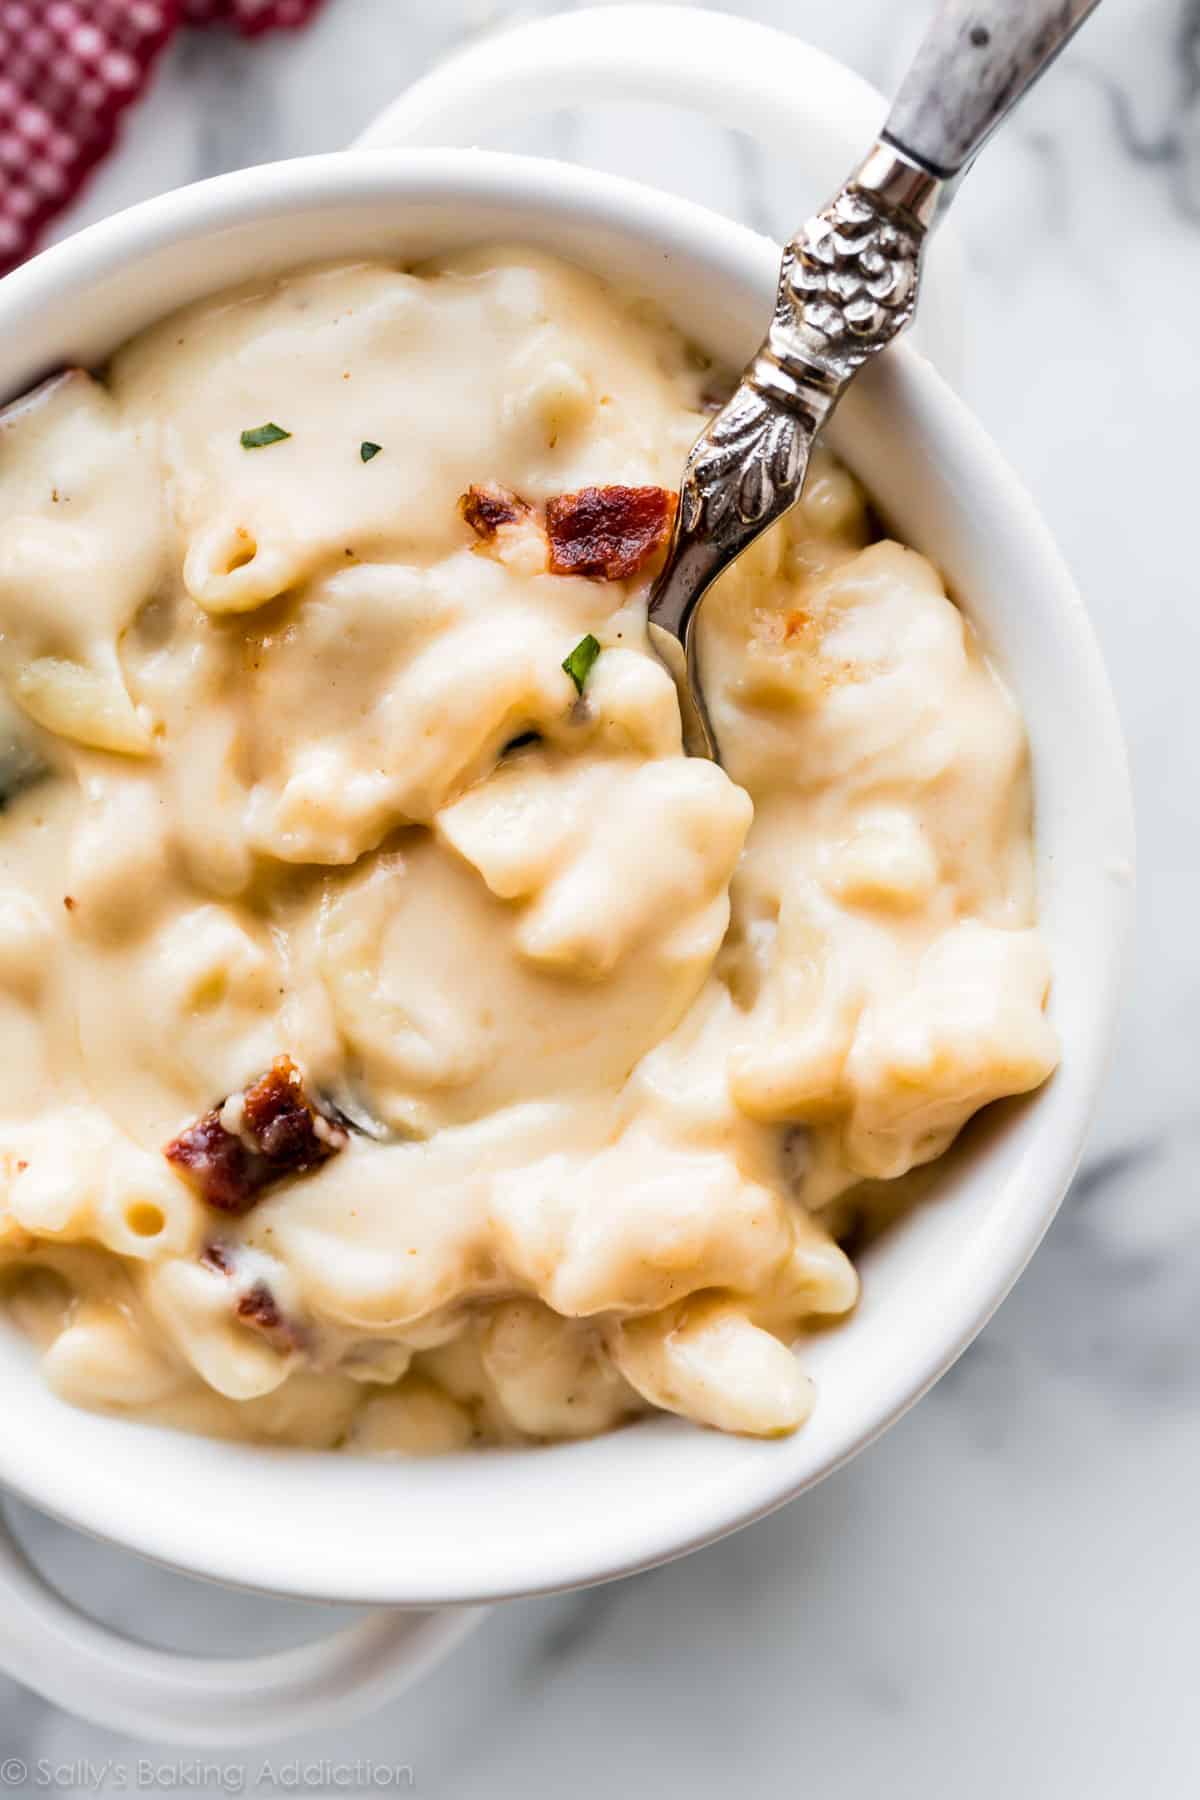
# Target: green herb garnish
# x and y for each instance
(367, 449)
(579, 664)
(262, 435)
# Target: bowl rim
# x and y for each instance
(761, 1476)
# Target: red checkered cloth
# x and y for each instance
(68, 70)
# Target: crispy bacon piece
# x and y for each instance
(278, 1133)
(256, 1306)
(487, 506)
(610, 532)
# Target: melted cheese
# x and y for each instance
(620, 1029)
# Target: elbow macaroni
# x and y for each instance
(615, 1031)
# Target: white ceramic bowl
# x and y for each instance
(461, 1530)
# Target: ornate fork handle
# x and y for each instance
(848, 285)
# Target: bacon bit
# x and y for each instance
(280, 1133)
(609, 532)
(259, 1309)
(216, 1163)
(486, 508)
(256, 1306)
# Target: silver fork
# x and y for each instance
(848, 285)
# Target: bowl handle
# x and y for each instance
(817, 117)
(215, 1702)
(738, 74)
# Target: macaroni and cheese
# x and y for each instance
(405, 1044)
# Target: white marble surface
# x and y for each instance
(1002, 1597)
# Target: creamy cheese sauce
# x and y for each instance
(618, 1033)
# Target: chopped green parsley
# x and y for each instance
(579, 664)
(262, 435)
